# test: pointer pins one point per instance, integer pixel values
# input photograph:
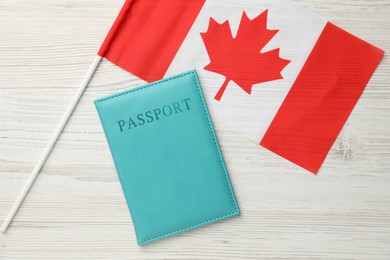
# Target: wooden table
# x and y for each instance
(76, 209)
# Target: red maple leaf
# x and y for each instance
(240, 59)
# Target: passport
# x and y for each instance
(167, 157)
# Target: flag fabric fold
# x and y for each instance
(280, 75)
(147, 34)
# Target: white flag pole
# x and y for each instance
(30, 181)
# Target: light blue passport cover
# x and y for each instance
(167, 157)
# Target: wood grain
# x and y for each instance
(76, 210)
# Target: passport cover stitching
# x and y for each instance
(236, 211)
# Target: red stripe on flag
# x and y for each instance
(322, 98)
(147, 35)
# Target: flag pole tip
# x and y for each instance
(3, 229)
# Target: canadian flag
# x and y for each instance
(280, 75)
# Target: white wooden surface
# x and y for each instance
(76, 209)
